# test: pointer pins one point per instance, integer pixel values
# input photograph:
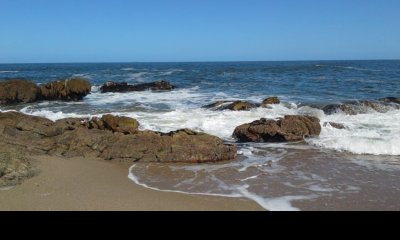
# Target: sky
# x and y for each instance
(197, 30)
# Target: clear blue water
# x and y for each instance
(304, 82)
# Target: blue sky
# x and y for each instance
(197, 30)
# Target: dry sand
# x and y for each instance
(94, 184)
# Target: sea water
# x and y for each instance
(342, 168)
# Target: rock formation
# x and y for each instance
(125, 87)
(290, 128)
(110, 137)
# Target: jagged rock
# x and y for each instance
(290, 128)
(74, 89)
(270, 101)
(335, 125)
(125, 87)
(18, 91)
(110, 138)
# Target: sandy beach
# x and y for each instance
(93, 184)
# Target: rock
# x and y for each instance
(180, 146)
(110, 137)
(15, 167)
(238, 106)
(290, 128)
(123, 125)
(335, 125)
(390, 100)
(354, 108)
(270, 101)
(74, 89)
(337, 108)
(231, 105)
(216, 105)
(18, 91)
(125, 87)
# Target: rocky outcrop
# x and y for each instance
(125, 87)
(270, 101)
(18, 91)
(110, 137)
(24, 91)
(290, 128)
(74, 89)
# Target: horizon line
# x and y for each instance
(216, 61)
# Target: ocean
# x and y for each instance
(342, 169)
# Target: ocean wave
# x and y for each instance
(9, 71)
(371, 133)
(374, 133)
(358, 69)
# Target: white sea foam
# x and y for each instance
(9, 71)
(53, 116)
(231, 191)
(373, 133)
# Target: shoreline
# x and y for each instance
(90, 184)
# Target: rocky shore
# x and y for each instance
(119, 138)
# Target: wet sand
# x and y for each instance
(94, 184)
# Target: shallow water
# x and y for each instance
(352, 168)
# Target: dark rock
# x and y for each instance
(125, 87)
(270, 101)
(18, 91)
(110, 138)
(361, 107)
(335, 125)
(238, 106)
(390, 100)
(290, 128)
(337, 108)
(74, 89)
(216, 105)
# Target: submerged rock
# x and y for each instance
(335, 125)
(239, 106)
(125, 87)
(290, 128)
(231, 105)
(110, 137)
(74, 89)
(270, 101)
(390, 100)
(361, 107)
(216, 105)
(18, 91)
